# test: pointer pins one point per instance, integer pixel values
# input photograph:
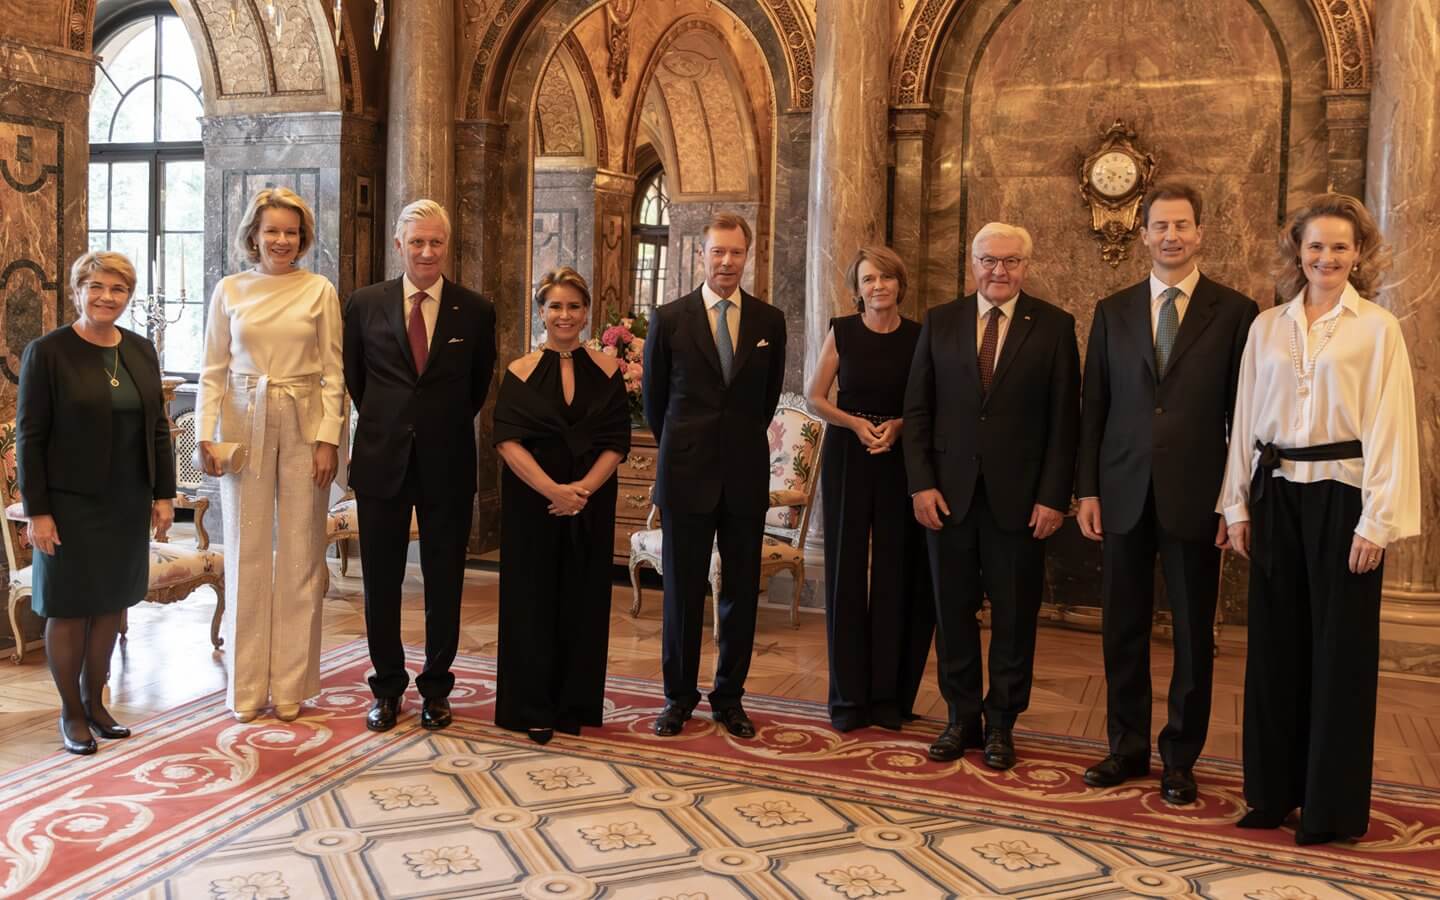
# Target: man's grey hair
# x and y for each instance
(417, 210)
(1003, 230)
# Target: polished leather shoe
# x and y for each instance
(540, 735)
(1177, 787)
(672, 720)
(999, 748)
(1263, 818)
(110, 732)
(1116, 769)
(79, 748)
(735, 721)
(435, 713)
(955, 740)
(382, 714)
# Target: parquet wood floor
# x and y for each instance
(168, 660)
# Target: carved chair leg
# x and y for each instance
(215, 639)
(343, 546)
(715, 608)
(635, 587)
(797, 575)
(15, 600)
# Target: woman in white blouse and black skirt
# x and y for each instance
(272, 381)
(1323, 475)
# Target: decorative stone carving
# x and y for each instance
(32, 232)
(78, 24)
(558, 114)
(617, 43)
(235, 48)
(592, 96)
(294, 50)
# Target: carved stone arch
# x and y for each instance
(1345, 26)
(593, 101)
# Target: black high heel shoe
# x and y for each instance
(79, 748)
(112, 732)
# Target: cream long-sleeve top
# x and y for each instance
(286, 327)
(1361, 389)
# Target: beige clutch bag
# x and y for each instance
(230, 455)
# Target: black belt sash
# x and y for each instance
(1261, 513)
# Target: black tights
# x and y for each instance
(79, 654)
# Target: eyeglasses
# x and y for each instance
(1011, 263)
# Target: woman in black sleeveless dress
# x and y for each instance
(562, 425)
(880, 632)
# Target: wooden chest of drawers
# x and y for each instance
(632, 502)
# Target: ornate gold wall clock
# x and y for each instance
(1113, 180)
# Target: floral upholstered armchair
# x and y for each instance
(343, 525)
(795, 437)
(175, 570)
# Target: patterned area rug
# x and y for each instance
(199, 806)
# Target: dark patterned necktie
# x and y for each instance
(419, 342)
(987, 347)
(1167, 325)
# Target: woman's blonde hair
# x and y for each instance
(1370, 266)
(882, 258)
(274, 198)
(562, 275)
(85, 267)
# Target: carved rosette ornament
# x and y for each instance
(617, 43)
(1113, 179)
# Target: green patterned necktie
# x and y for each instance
(723, 344)
(1166, 329)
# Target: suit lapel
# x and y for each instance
(395, 314)
(1197, 317)
(749, 332)
(698, 323)
(446, 319)
(1136, 316)
(969, 356)
(1015, 335)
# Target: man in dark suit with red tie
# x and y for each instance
(419, 358)
(1160, 377)
(714, 366)
(992, 412)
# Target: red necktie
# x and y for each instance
(419, 343)
(987, 347)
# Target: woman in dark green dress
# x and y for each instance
(96, 472)
(562, 425)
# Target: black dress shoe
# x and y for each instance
(79, 748)
(1116, 769)
(1177, 787)
(111, 732)
(735, 721)
(999, 748)
(955, 740)
(1263, 818)
(541, 735)
(382, 714)
(435, 713)
(672, 720)
(1305, 838)
(887, 717)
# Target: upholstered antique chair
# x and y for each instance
(343, 525)
(795, 437)
(175, 570)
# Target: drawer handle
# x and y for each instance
(641, 463)
(637, 501)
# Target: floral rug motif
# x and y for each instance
(199, 806)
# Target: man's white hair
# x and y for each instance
(1003, 230)
(417, 210)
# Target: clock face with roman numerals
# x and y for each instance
(1114, 174)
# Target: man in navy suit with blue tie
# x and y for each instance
(714, 366)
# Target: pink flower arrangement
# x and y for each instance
(624, 338)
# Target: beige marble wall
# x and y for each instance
(1403, 189)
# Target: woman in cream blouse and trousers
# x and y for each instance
(272, 381)
(1323, 475)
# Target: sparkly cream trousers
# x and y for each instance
(275, 577)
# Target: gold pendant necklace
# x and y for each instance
(115, 381)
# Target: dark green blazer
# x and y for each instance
(62, 419)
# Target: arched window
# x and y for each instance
(147, 175)
(651, 237)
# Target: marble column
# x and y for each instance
(1347, 126)
(420, 161)
(1403, 190)
(914, 129)
(849, 154)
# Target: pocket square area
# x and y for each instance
(764, 342)
(456, 341)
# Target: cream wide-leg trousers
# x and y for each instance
(275, 576)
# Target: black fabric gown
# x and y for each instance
(880, 632)
(102, 564)
(555, 570)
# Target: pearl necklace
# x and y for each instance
(1303, 374)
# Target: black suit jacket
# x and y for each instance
(1020, 437)
(62, 418)
(435, 410)
(1137, 430)
(714, 439)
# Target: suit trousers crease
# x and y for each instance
(1192, 573)
(972, 558)
(275, 577)
(878, 639)
(688, 538)
(444, 525)
(1312, 663)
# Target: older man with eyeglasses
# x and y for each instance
(992, 416)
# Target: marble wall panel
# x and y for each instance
(563, 225)
(788, 241)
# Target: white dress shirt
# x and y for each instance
(281, 326)
(1007, 312)
(429, 307)
(732, 315)
(1361, 389)
(1182, 302)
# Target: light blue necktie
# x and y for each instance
(723, 343)
(1166, 329)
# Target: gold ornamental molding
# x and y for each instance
(1346, 29)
